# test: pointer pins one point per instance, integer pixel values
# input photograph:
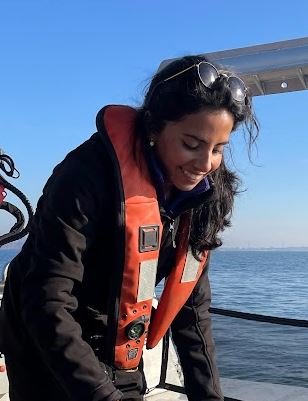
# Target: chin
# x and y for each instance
(186, 188)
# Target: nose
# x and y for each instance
(203, 164)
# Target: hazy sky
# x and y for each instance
(61, 61)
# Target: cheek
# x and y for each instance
(216, 163)
(168, 158)
(175, 155)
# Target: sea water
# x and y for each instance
(272, 283)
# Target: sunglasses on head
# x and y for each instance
(208, 74)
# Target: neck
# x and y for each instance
(167, 190)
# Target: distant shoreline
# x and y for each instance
(18, 246)
(269, 249)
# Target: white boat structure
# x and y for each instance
(273, 68)
(267, 69)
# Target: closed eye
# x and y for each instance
(189, 146)
(218, 150)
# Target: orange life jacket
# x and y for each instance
(143, 230)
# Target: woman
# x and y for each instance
(143, 199)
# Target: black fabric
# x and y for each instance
(56, 295)
(52, 304)
(192, 335)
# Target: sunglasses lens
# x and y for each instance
(208, 74)
(238, 89)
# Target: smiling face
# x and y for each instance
(192, 148)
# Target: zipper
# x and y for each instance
(172, 232)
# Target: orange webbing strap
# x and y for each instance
(178, 287)
(142, 217)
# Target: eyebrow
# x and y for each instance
(203, 141)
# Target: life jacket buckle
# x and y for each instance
(148, 238)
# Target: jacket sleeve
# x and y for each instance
(64, 228)
(192, 335)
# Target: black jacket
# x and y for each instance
(56, 295)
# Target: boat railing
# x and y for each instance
(260, 318)
(163, 381)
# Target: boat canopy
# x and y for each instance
(277, 67)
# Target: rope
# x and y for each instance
(14, 211)
(7, 165)
(18, 230)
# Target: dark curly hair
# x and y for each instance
(185, 94)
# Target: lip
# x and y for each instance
(192, 176)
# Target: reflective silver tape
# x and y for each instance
(191, 268)
(147, 278)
